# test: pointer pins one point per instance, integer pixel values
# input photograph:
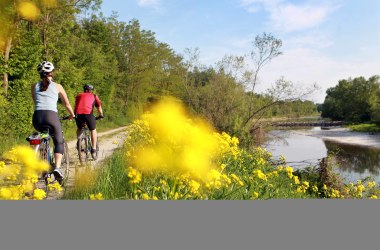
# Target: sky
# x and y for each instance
(323, 41)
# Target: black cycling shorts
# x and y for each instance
(87, 119)
(47, 119)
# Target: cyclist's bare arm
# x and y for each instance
(65, 100)
(100, 111)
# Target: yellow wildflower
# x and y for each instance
(145, 196)
(39, 194)
(255, 195)
(194, 187)
(296, 180)
(5, 193)
(371, 184)
(55, 186)
(260, 174)
(98, 196)
(134, 175)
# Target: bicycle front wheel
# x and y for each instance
(82, 146)
(65, 165)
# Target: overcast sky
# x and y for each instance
(324, 41)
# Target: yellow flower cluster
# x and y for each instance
(302, 188)
(19, 175)
(134, 175)
(97, 197)
(168, 139)
(55, 186)
(289, 171)
(228, 146)
(355, 191)
(260, 174)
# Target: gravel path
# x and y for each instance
(108, 142)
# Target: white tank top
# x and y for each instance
(46, 100)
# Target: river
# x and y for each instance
(358, 154)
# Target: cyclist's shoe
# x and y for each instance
(58, 175)
(94, 154)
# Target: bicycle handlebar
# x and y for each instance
(66, 117)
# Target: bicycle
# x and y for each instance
(41, 143)
(84, 143)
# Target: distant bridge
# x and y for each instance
(308, 124)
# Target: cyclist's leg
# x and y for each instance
(94, 138)
(91, 124)
(57, 136)
(79, 121)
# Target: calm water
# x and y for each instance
(302, 150)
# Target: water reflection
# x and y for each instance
(355, 159)
(301, 150)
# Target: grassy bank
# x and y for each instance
(365, 127)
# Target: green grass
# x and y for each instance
(365, 127)
(110, 180)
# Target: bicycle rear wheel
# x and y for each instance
(44, 152)
(82, 146)
(45, 155)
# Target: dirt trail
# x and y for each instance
(108, 142)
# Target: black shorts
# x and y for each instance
(87, 119)
(47, 119)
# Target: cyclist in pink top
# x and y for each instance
(84, 105)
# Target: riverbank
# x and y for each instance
(345, 136)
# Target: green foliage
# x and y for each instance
(354, 100)
(21, 108)
(365, 128)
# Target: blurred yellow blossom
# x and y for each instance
(28, 10)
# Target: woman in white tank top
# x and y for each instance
(45, 95)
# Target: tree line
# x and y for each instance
(354, 100)
(130, 69)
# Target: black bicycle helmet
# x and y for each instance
(45, 67)
(88, 87)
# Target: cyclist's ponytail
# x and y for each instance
(44, 86)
